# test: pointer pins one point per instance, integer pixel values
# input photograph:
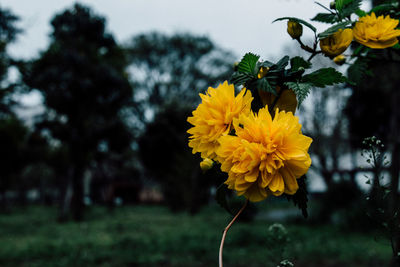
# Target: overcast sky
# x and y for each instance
(238, 25)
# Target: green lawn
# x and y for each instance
(152, 236)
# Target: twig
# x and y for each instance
(221, 247)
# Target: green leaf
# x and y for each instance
(220, 197)
(300, 89)
(264, 85)
(305, 23)
(396, 46)
(350, 8)
(324, 77)
(360, 13)
(299, 62)
(384, 8)
(300, 199)
(325, 18)
(266, 64)
(240, 78)
(248, 64)
(340, 4)
(333, 29)
(357, 71)
(282, 63)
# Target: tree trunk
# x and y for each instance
(77, 198)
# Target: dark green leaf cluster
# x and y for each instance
(277, 74)
(349, 7)
(300, 199)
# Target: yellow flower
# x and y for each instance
(206, 164)
(376, 32)
(336, 43)
(267, 155)
(294, 29)
(340, 59)
(213, 117)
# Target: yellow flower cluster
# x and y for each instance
(376, 32)
(213, 117)
(262, 155)
(371, 31)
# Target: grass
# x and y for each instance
(152, 236)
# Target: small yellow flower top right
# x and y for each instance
(376, 32)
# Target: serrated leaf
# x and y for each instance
(282, 63)
(324, 77)
(300, 89)
(333, 29)
(300, 199)
(325, 18)
(239, 78)
(264, 85)
(357, 71)
(350, 8)
(305, 23)
(340, 4)
(297, 62)
(360, 13)
(383, 8)
(248, 63)
(220, 197)
(266, 64)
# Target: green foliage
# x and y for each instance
(298, 62)
(358, 70)
(350, 7)
(384, 8)
(300, 89)
(340, 4)
(323, 77)
(325, 18)
(248, 64)
(264, 85)
(331, 30)
(300, 199)
(220, 197)
(305, 23)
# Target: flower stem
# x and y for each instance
(221, 247)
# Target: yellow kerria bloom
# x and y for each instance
(213, 117)
(267, 155)
(376, 32)
(336, 43)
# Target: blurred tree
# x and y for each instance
(12, 131)
(373, 110)
(85, 87)
(8, 34)
(165, 68)
(168, 73)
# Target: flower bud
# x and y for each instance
(294, 29)
(340, 59)
(332, 5)
(206, 164)
(262, 72)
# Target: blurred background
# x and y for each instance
(95, 169)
